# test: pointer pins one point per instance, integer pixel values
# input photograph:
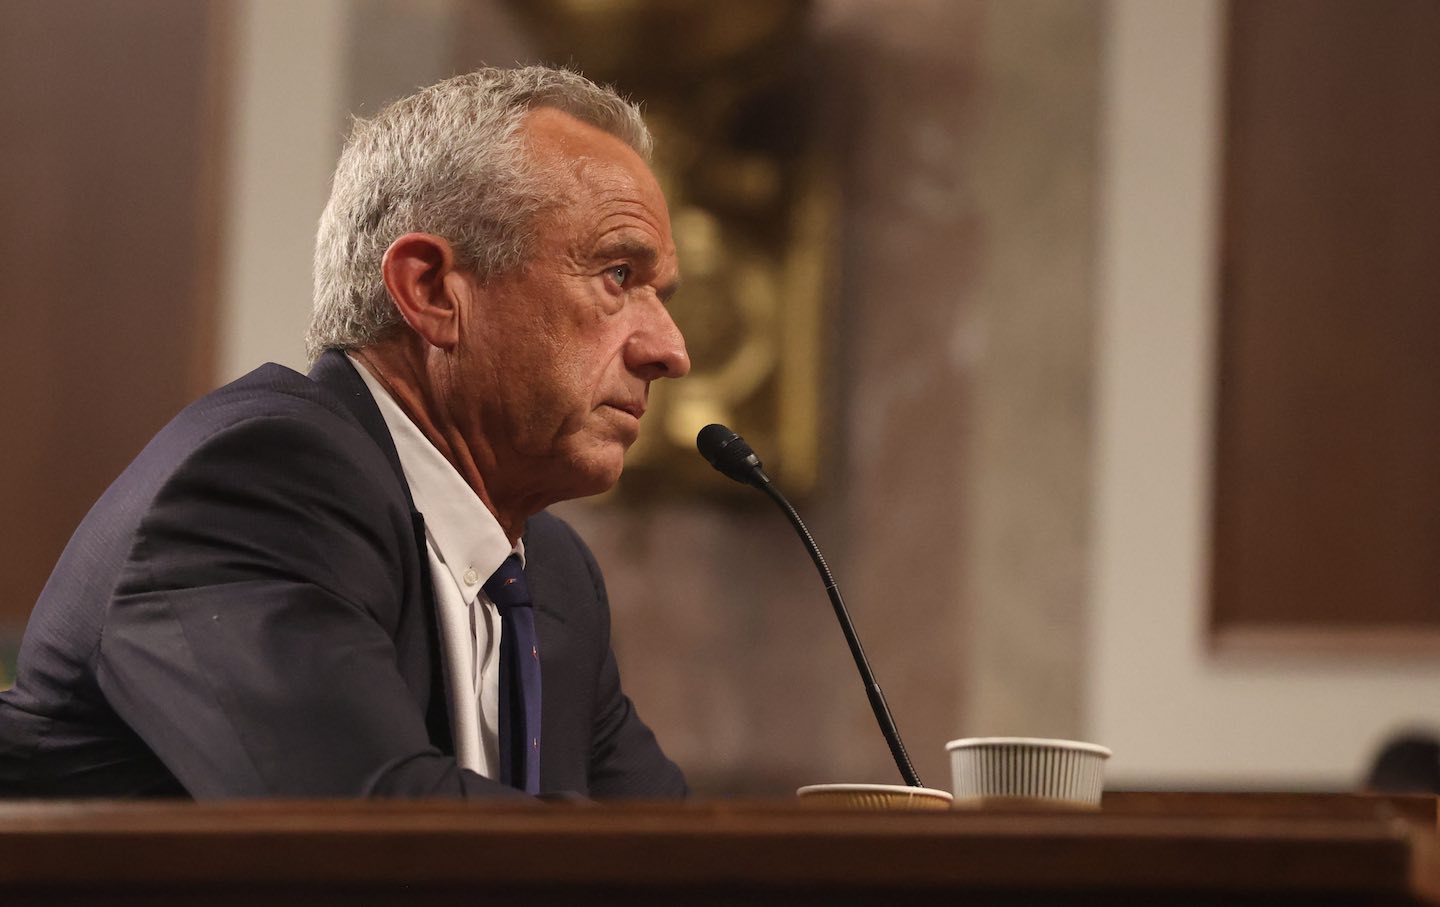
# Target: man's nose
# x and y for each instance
(657, 350)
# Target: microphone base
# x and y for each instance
(873, 797)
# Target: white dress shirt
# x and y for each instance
(466, 545)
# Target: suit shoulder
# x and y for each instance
(278, 429)
(268, 476)
(271, 399)
(548, 533)
(563, 574)
(270, 390)
(272, 433)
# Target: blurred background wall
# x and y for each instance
(1031, 268)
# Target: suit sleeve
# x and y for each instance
(625, 758)
(251, 640)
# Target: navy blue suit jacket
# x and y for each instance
(247, 612)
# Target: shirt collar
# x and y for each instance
(461, 529)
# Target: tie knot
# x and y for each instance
(506, 587)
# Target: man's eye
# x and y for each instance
(620, 274)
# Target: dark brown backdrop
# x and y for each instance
(1327, 524)
(107, 252)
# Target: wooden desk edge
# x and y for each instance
(698, 845)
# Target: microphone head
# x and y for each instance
(729, 454)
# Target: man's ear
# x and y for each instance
(414, 269)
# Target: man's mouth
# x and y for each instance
(635, 409)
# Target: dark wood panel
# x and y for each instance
(1327, 507)
(1169, 849)
(108, 238)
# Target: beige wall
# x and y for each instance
(287, 121)
(1175, 714)
(1035, 181)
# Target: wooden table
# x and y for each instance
(1142, 848)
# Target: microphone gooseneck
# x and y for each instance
(728, 453)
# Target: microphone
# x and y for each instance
(728, 453)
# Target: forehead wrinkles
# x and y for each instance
(613, 186)
(609, 199)
(592, 194)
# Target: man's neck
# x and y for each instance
(403, 374)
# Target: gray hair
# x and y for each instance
(451, 160)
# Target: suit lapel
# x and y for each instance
(334, 371)
(441, 707)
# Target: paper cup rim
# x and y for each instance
(873, 789)
(1036, 742)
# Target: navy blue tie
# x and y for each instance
(519, 677)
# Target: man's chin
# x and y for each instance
(598, 471)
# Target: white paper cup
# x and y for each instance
(1021, 771)
(873, 796)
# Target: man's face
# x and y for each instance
(555, 359)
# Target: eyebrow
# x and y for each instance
(628, 248)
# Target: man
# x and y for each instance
(312, 585)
